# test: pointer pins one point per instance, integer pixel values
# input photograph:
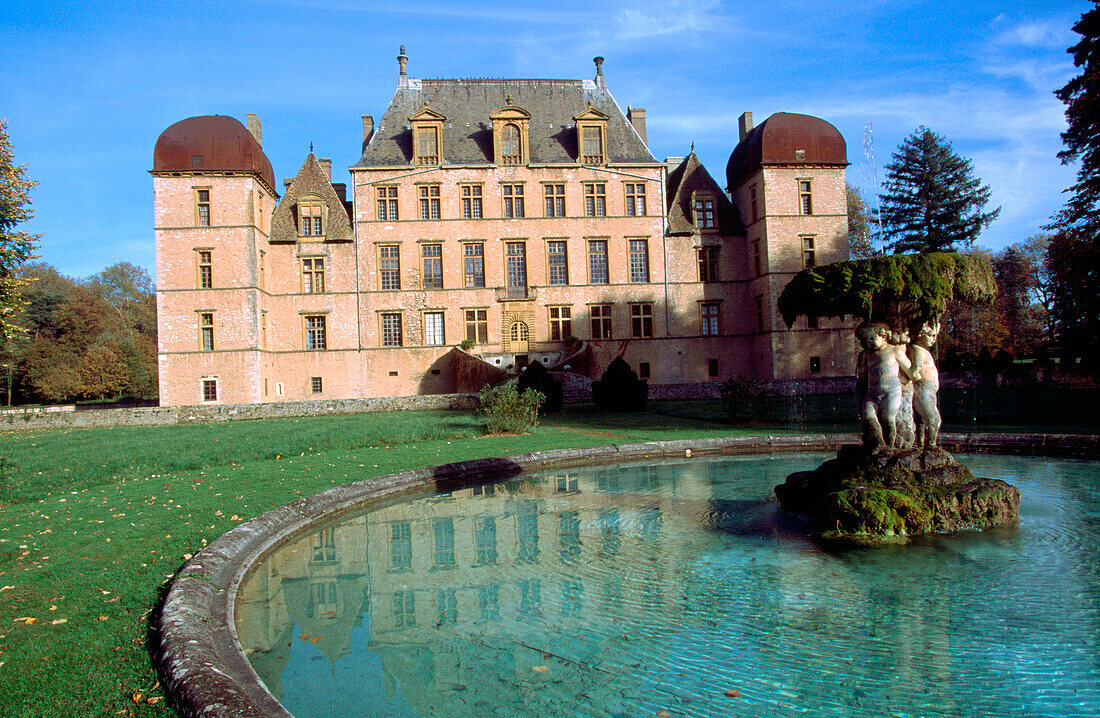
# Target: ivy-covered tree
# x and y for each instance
(16, 247)
(860, 243)
(1082, 138)
(932, 202)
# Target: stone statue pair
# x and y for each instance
(896, 386)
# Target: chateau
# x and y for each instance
(490, 224)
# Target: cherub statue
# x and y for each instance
(927, 385)
(906, 426)
(879, 370)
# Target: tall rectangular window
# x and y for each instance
(558, 262)
(263, 279)
(389, 266)
(263, 330)
(324, 545)
(517, 266)
(474, 261)
(477, 325)
(313, 275)
(753, 206)
(708, 312)
(756, 257)
(809, 253)
(597, 261)
(512, 195)
(704, 213)
(569, 534)
(639, 260)
(427, 146)
(601, 321)
(309, 218)
(209, 390)
(593, 145)
(708, 264)
(471, 201)
(387, 204)
(432, 260)
(447, 604)
(485, 539)
(401, 544)
(444, 531)
(635, 199)
(595, 199)
(202, 201)
(315, 333)
(554, 194)
(759, 302)
(404, 609)
(527, 517)
(391, 329)
(641, 321)
(433, 329)
(561, 323)
(805, 197)
(206, 269)
(429, 201)
(206, 331)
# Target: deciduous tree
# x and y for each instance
(860, 242)
(932, 200)
(16, 246)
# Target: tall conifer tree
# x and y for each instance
(15, 246)
(1082, 139)
(932, 200)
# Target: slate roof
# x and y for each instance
(688, 177)
(468, 131)
(776, 141)
(310, 180)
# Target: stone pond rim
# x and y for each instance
(870, 497)
(208, 675)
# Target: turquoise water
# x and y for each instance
(658, 589)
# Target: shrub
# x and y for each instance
(506, 411)
(741, 395)
(466, 344)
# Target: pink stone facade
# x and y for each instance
(248, 315)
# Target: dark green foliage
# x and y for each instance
(932, 201)
(741, 396)
(914, 286)
(506, 411)
(1082, 139)
(619, 388)
(860, 241)
(538, 377)
(1073, 260)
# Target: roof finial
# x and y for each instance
(508, 99)
(692, 147)
(600, 82)
(311, 148)
(402, 78)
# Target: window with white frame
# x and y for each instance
(434, 334)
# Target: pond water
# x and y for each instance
(676, 589)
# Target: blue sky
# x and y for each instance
(87, 87)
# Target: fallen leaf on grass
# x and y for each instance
(7, 588)
(732, 693)
(59, 621)
(541, 669)
(153, 701)
(664, 714)
(234, 517)
(26, 620)
(102, 618)
(136, 697)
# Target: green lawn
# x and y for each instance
(95, 522)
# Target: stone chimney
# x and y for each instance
(744, 124)
(673, 162)
(636, 115)
(600, 81)
(253, 121)
(326, 165)
(402, 78)
(368, 130)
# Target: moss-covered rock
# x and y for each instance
(876, 497)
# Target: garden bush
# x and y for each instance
(506, 411)
(742, 397)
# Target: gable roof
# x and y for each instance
(312, 179)
(468, 105)
(689, 177)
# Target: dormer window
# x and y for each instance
(592, 136)
(703, 212)
(510, 140)
(310, 217)
(427, 137)
(509, 145)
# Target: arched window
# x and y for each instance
(520, 332)
(510, 149)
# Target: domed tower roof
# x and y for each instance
(786, 139)
(211, 144)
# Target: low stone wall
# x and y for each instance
(170, 415)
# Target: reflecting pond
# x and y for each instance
(637, 590)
